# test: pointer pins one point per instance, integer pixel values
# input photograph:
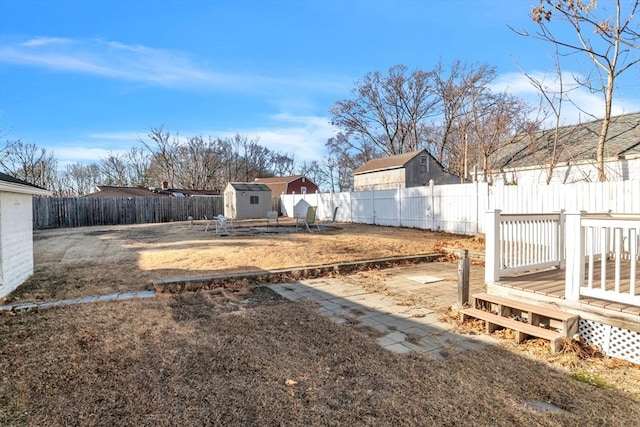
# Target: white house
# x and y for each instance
(16, 231)
(247, 200)
(528, 160)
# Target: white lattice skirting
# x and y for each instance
(615, 342)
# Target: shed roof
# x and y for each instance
(278, 179)
(12, 184)
(388, 163)
(577, 143)
(249, 186)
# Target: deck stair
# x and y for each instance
(525, 319)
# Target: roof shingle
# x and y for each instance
(386, 163)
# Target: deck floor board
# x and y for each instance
(551, 283)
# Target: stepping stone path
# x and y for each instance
(404, 329)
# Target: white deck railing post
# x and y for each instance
(492, 246)
(574, 241)
(562, 238)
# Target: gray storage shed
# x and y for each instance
(246, 200)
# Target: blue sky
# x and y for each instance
(85, 78)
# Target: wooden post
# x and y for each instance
(463, 277)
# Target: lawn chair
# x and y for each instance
(308, 221)
(221, 224)
(207, 223)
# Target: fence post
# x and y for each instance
(574, 273)
(492, 246)
(373, 205)
(463, 277)
(433, 207)
(399, 190)
(562, 237)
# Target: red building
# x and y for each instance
(297, 184)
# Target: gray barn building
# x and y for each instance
(405, 170)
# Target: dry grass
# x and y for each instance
(577, 358)
(98, 260)
(243, 356)
(249, 358)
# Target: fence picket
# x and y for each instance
(461, 208)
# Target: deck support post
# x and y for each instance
(492, 246)
(574, 241)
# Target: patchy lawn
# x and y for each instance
(244, 356)
(250, 358)
(85, 261)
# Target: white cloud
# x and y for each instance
(302, 136)
(44, 41)
(587, 104)
(115, 60)
(67, 154)
(168, 68)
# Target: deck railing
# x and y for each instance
(607, 246)
(522, 242)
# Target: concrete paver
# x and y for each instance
(405, 328)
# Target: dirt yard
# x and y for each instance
(85, 261)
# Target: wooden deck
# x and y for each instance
(550, 283)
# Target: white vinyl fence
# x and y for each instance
(461, 208)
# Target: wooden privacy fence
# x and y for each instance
(56, 212)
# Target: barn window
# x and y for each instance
(254, 200)
(424, 164)
(303, 190)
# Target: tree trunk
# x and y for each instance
(604, 130)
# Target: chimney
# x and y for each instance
(165, 185)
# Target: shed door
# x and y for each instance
(230, 205)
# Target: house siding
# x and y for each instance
(381, 180)
(296, 186)
(16, 240)
(411, 175)
(616, 170)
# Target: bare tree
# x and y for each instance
(138, 161)
(115, 170)
(283, 164)
(552, 99)
(29, 163)
(387, 113)
(163, 148)
(78, 179)
(494, 121)
(607, 38)
(455, 89)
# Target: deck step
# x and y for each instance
(543, 311)
(565, 323)
(542, 322)
(522, 329)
